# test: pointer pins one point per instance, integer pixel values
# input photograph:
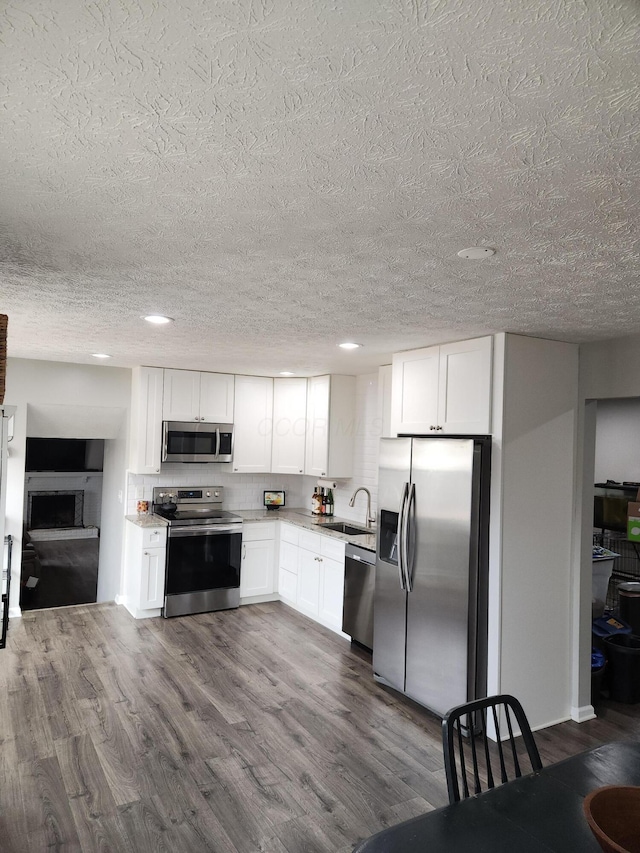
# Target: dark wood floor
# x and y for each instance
(245, 730)
(68, 574)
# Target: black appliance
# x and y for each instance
(204, 545)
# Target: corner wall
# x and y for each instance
(532, 526)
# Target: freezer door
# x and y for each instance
(390, 603)
(437, 669)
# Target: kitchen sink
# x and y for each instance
(348, 529)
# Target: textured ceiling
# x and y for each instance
(282, 175)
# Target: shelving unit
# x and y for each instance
(626, 567)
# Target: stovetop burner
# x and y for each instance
(199, 515)
(192, 505)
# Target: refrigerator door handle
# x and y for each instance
(401, 549)
(407, 527)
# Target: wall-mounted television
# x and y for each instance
(64, 454)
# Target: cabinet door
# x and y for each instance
(256, 571)
(289, 557)
(317, 444)
(146, 420)
(464, 404)
(152, 570)
(331, 592)
(308, 582)
(414, 391)
(288, 586)
(253, 411)
(181, 395)
(216, 397)
(289, 426)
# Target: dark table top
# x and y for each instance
(540, 813)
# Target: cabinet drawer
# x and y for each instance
(310, 541)
(258, 531)
(333, 549)
(154, 537)
(289, 533)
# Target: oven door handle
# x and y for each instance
(204, 530)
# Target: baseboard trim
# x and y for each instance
(259, 599)
(15, 613)
(583, 713)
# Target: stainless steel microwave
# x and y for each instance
(196, 442)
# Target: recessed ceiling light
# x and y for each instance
(100, 355)
(286, 373)
(476, 253)
(158, 319)
(349, 345)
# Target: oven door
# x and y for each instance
(196, 442)
(203, 569)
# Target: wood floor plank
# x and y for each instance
(47, 808)
(92, 805)
(245, 731)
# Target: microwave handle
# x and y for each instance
(165, 435)
(217, 451)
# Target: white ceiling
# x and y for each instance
(282, 175)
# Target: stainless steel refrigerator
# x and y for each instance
(430, 609)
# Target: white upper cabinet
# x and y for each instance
(253, 424)
(217, 397)
(289, 426)
(464, 391)
(146, 420)
(330, 426)
(193, 396)
(443, 389)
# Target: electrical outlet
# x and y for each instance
(139, 493)
(120, 496)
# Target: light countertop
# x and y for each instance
(299, 516)
(304, 518)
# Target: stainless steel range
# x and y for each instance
(203, 550)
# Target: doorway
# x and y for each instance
(63, 496)
(616, 479)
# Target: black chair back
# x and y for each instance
(472, 761)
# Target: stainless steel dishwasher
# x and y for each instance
(359, 588)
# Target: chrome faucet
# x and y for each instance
(370, 518)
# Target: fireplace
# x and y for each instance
(55, 509)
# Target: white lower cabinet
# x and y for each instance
(309, 560)
(331, 583)
(144, 570)
(288, 563)
(311, 574)
(257, 581)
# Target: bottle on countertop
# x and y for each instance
(325, 502)
(330, 502)
(316, 502)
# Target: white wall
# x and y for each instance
(618, 441)
(111, 522)
(61, 397)
(531, 527)
(609, 369)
